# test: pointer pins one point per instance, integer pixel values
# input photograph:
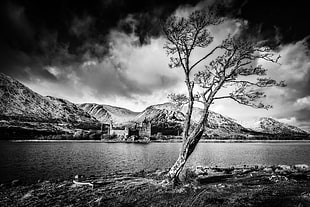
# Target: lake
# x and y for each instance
(31, 161)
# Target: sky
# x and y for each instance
(111, 51)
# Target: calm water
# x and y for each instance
(52, 160)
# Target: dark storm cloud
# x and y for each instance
(81, 26)
(80, 23)
(282, 20)
(40, 35)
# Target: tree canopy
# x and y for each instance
(232, 64)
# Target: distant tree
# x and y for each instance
(232, 66)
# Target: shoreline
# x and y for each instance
(280, 185)
(164, 141)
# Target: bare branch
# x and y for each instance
(246, 103)
(205, 57)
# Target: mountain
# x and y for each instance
(166, 112)
(107, 113)
(218, 125)
(271, 126)
(168, 116)
(25, 113)
(19, 102)
(23, 109)
(218, 121)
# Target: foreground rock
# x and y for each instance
(202, 186)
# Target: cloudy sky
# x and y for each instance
(111, 51)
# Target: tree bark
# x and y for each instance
(188, 146)
(186, 150)
(187, 121)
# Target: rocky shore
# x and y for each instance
(280, 185)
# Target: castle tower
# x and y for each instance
(110, 128)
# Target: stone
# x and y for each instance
(79, 177)
(302, 167)
(187, 175)
(200, 170)
(268, 169)
(284, 167)
(278, 178)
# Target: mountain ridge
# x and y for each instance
(272, 126)
(25, 113)
(19, 104)
(218, 125)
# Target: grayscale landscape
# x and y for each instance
(154, 103)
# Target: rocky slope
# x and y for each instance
(168, 116)
(269, 125)
(22, 109)
(222, 126)
(20, 102)
(166, 112)
(107, 113)
(218, 125)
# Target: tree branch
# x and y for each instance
(203, 58)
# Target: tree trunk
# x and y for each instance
(186, 150)
(188, 146)
(187, 122)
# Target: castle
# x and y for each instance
(142, 129)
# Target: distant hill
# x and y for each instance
(160, 113)
(25, 113)
(218, 125)
(23, 109)
(271, 126)
(19, 102)
(170, 115)
(107, 113)
(173, 116)
(163, 114)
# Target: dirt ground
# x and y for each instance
(201, 186)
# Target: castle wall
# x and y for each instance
(145, 131)
(119, 132)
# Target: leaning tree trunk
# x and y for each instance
(186, 150)
(188, 146)
(189, 113)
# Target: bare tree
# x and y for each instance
(232, 66)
